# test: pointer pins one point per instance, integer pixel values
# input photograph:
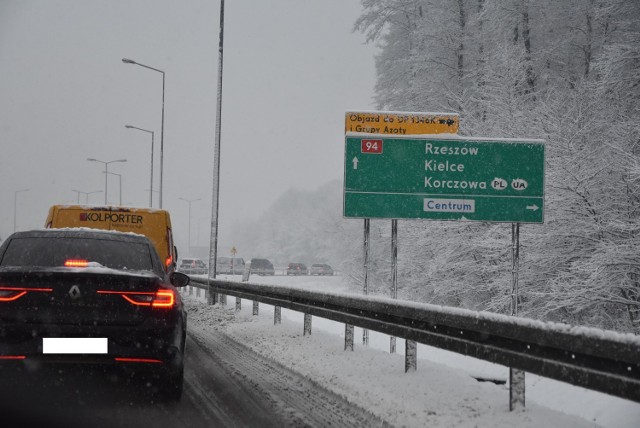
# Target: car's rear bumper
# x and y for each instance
(152, 345)
(262, 272)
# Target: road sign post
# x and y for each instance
(516, 377)
(444, 178)
(392, 123)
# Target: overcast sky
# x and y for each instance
(291, 70)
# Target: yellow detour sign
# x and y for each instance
(401, 123)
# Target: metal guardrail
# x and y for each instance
(278, 271)
(595, 359)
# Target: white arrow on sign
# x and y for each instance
(355, 163)
(533, 207)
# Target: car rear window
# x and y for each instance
(54, 251)
(260, 263)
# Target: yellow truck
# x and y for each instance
(155, 224)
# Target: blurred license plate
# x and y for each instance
(74, 345)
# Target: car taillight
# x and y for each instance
(76, 263)
(162, 298)
(137, 360)
(9, 294)
(168, 261)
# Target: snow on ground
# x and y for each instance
(442, 392)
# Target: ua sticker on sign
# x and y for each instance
(371, 146)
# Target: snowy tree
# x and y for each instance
(564, 71)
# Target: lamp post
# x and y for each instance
(106, 169)
(86, 194)
(130, 61)
(120, 183)
(151, 185)
(15, 203)
(189, 202)
(200, 220)
(213, 245)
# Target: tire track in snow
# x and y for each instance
(293, 399)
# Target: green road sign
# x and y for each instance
(442, 178)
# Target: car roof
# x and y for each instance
(82, 232)
(90, 233)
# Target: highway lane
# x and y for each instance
(226, 385)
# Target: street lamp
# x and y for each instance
(106, 168)
(15, 203)
(151, 185)
(130, 61)
(86, 194)
(120, 182)
(189, 202)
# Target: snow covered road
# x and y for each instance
(247, 390)
(442, 392)
(226, 385)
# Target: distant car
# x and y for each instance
(230, 265)
(320, 269)
(92, 297)
(193, 267)
(262, 267)
(297, 269)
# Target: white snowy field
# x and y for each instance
(442, 392)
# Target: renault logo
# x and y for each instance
(74, 292)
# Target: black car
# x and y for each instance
(297, 269)
(89, 296)
(262, 267)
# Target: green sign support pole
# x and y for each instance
(365, 332)
(516, 377)
(394, 273)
